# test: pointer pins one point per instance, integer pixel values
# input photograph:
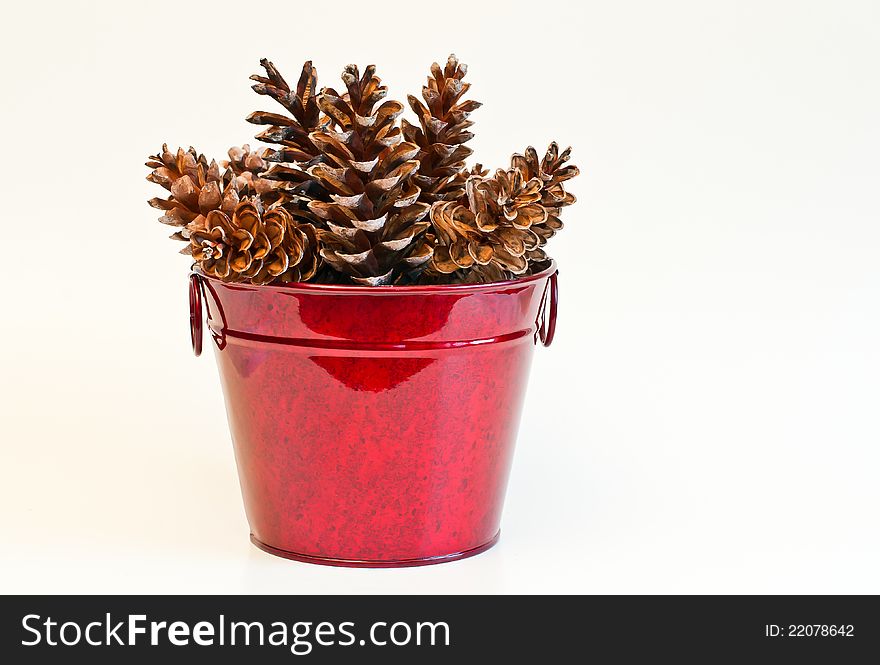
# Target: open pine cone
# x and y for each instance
(252, 245)
(442, 132)
(373, 220)
(487, 236)
(250, 170)
(290, 132)
(552, 171)
(197, 187)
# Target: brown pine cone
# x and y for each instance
(442, 132)
(552, 171)
(249, 169)
(499, 229)
(477, 170)
(487, 238)
(244, 162)
(374, 229)
(290, 132)
(256, 246)
(197, 187)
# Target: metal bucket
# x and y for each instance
(374, 426)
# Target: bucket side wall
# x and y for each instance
(374, 428)
(374, 458)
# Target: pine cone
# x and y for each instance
(245, 162)
(290, 132)
(442, 132)
(249, 170)
(197, 187)
(252, 245)
(374, 228)
(488, 238)
(499, 229)
(552, 172)
(478, 170)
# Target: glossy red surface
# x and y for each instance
(375, 426)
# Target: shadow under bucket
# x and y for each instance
(374, 426)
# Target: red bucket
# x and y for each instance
(374, 426)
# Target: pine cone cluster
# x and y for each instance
(348, 192)
(500, 227)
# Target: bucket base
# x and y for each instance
(365, 563)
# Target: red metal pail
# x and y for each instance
(374, 426)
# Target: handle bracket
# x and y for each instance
(546, 323)
(196, 331)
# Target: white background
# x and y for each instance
(707, 420)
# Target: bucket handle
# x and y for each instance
(546, 322)
(195, 313)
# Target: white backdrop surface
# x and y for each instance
(707, 420)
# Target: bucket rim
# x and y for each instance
(414, 289)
